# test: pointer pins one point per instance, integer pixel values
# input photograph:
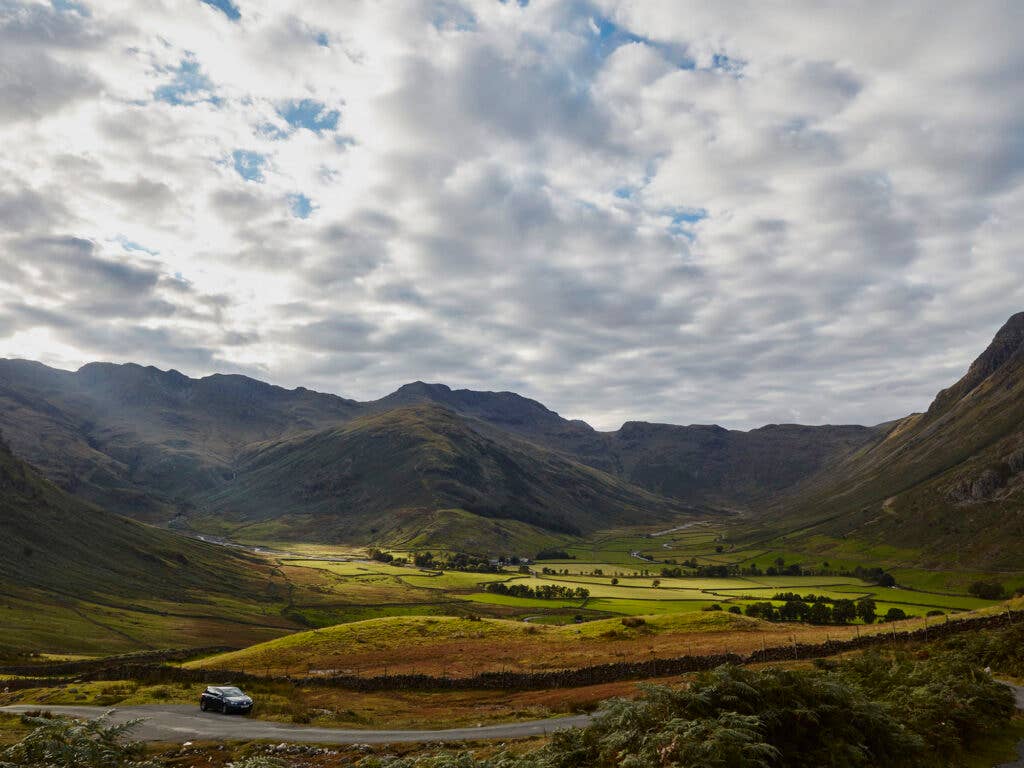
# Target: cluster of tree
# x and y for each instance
(821, 610)
(869, 711)
(554, 554)
(691, 567)
(554, 571)
(458, 561)
(987, 590)
(540, 592)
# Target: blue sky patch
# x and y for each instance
(723, 63)
(452, 16)
(683, 219)
(608, 36)
(249, 164)
(131, 245)
(228, 8)
(71, 5)
(310, 114)
(300, 205)
(189, 86)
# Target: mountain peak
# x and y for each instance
(423, 388)
(1005, 345)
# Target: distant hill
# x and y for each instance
(949, 481)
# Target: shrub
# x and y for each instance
(58, 741)
(633, 621)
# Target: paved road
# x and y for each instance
(179, 723)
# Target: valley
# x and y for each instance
(446, 535)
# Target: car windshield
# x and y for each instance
(231, 691)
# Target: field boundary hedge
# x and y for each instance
(565, 678)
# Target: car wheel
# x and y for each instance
(202, 706)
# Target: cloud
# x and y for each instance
(675, 211)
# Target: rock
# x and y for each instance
(987, 483)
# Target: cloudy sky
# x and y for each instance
(741, 213)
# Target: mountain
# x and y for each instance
(142, 441)
(429, 464)
(69, 568)
(160, 446)
(387, 475)
(697, 464)
(948, 482)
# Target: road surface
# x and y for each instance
(178, 723)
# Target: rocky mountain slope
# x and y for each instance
(949, 482)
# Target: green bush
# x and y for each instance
(62, 743)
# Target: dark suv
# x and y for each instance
(226, 699)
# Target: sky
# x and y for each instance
(738, 213)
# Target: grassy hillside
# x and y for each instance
(73, 577)
(459, 646)
(948, 483)
(422, 472)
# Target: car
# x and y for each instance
(225, 699)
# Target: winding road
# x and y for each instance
(178, 723)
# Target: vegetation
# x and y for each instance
(60, 742)
(987, 589)
(540, 592)
(869, 711)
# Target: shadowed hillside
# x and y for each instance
(74, 576)
(141, 441)
(380, 474)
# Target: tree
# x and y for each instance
(895, 614)
(820, 613)
(794, 610)
(614, 582)
(867, 610)
(656, 583)
(844, 611)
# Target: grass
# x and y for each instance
(452, 646)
